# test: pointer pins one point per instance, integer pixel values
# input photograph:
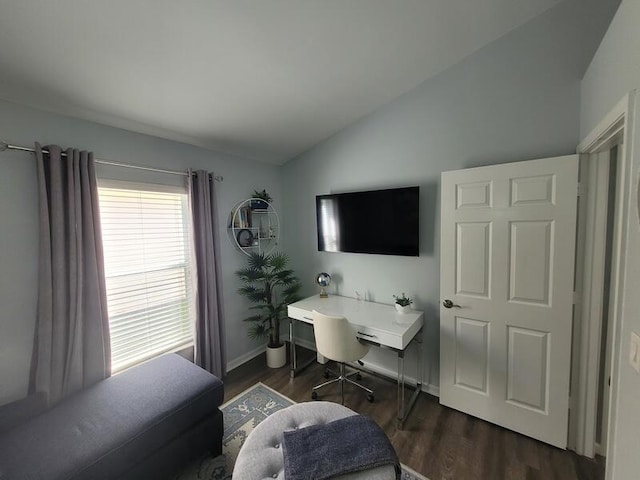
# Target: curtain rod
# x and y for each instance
(5, 146)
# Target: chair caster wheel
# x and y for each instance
(314, 396)
(327, 374)
(370, 398)
(358, 376)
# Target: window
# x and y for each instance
(145, 232)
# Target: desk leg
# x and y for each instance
(405, 408)
(292, 348)
(420, 366)
(400, 394)
(295, 368)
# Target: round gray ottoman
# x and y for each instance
(260, 457)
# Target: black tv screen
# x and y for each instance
(377, 221)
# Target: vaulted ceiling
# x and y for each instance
(264, 79)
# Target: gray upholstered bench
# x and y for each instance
(261, 455)
(144, 423)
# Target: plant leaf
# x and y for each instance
(254, 294)
(279, 261)
(258, 261)
(254, 318)
(249, 275)
(258, 331)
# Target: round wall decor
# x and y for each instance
(254, 226)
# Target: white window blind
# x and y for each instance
(148, 272)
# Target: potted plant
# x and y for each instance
(403, 303)
(271, 286)
(260, 200)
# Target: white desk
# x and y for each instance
(375, 323)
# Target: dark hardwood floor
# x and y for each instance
(437, 441)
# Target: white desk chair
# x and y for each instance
(337, 341)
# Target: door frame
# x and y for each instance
(619, 121)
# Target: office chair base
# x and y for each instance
(342, 378)
(328, 373)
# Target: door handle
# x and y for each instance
(449, 304)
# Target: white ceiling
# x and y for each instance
(265, 79)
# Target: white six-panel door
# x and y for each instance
(507, 266)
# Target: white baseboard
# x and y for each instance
(431, 389)
(387, 372)
(236, 362)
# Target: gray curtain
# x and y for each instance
(209, 343)
(71, 345)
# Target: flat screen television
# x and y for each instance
(377, 221)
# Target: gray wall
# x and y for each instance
(18, 218)
(614, 71)
(516, 99)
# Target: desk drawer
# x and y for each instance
(378, 336)
(299, 314)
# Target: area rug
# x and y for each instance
(241, 415)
